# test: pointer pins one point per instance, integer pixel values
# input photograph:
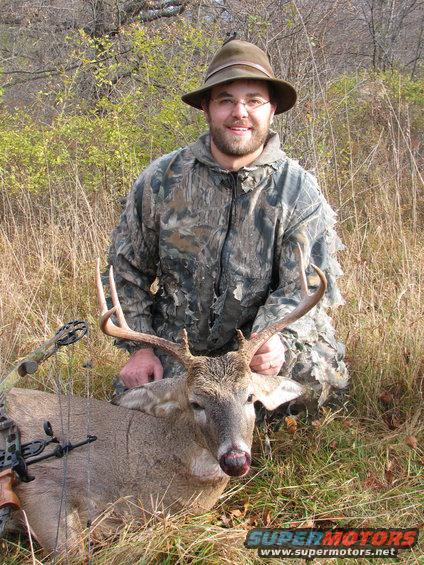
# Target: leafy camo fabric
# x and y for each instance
(222, 246)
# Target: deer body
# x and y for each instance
(154, 462)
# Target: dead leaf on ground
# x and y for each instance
(225, 521)
(412, 442)
(386, 397)
(333, 444)
(306, 524)
(236, 513)
(347, 423)
(253, 520)
(388, 472)
(291, 424)
(267, 518)
(373, 483)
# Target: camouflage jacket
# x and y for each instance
(222, 246)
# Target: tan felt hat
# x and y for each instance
(236, 60)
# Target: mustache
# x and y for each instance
(239, 124)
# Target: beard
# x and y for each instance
(233, 145)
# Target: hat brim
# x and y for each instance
(283, 92)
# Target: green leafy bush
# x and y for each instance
(106, 143)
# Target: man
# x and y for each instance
(218, 223)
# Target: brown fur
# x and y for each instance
(160, 450)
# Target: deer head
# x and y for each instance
(216, 394)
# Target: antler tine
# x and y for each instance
(115, 301)
(302, 272)
(307, 302)
(100, 292)
(180, 352)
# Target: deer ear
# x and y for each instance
(274, 391)
(160, 398)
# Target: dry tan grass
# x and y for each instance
(48, 245)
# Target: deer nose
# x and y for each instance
(235, 463)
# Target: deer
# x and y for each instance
(163, 447)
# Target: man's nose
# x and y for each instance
(239, 110)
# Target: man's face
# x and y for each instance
(239, 115)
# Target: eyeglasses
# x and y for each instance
(250, 105)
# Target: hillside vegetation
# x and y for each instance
(361, 133)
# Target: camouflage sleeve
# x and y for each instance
(134, 255)
(312, 226)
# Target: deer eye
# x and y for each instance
(249, 399)
(196, 406)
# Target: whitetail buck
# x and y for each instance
(169, 445)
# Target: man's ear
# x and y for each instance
(274, 107)
(160, 398)
(205, 108)
(274, 391)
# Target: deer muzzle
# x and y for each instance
(235, 462)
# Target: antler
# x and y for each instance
(248, 347)
(181, 352)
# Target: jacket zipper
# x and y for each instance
(231, 216)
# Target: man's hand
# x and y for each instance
(143, 367)
(269, 358)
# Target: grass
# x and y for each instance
(360, 466)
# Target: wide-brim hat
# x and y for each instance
(236, 60)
